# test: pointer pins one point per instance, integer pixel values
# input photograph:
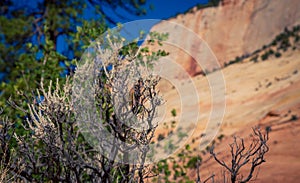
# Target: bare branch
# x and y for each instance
(240, 156)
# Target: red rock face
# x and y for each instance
(230, 2)
(235, 28)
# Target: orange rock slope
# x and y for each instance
(235, 28)
(266, 93)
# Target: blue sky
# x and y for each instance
(166, 8)
(156, 9)
(162, 9)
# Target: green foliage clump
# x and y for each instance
(193, 161)
(173, 112)
(282, 42)
(277, 54)
(160, 137)
(220, 137)
(294, 117)
(264, 56)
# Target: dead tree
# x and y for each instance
(131, 128)
(55, 145)
(242, 156)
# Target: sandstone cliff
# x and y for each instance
(234, 28)
(263, 92)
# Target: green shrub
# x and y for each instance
(160, 137)
(277, 54)
(220, 137)
(173, 112)
(192, 163)
(264, 56)
(294, 117)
